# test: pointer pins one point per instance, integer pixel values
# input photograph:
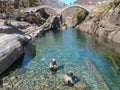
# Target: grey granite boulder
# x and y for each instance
(11, 49)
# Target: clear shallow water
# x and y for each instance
(74, 51)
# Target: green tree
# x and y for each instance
(24, 3)
(16, 3)
(80, 14)
(33, 3)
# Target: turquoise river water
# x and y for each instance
(74, 51)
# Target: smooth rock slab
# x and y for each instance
(11, 48)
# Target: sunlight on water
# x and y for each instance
(74, 51)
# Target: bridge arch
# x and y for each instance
(73, 5)
(35, 9)
(57, 10)
(45, 7)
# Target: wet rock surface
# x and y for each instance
(19, 34)
(104, 22)
(11, 48)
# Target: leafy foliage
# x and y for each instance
(16, 3)
(28, 3)
(80, 14)
(33, 3)
(24, 3)
(114, 3)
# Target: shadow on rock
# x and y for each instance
(12, 30)
(17, 64)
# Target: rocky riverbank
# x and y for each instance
(104, 21)
(11, 48)
(13, 38)
(12, 41)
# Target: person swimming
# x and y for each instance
(52, 64)
(68, 79)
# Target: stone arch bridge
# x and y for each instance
(57, 10)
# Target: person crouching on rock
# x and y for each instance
(68, 79)
(52, 64)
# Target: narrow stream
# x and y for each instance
(74, 51)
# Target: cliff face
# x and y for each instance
(104, 21)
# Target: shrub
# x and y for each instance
(80, 14)
(116, 2)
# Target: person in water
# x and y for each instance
(68, 79)
(52, 64)
(7, 23)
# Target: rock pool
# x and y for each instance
(74, 51)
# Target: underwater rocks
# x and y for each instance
(35, 80)
(97, 78)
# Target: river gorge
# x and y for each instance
(83, 38)
(74, 51)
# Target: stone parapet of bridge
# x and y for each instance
(57, 10)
